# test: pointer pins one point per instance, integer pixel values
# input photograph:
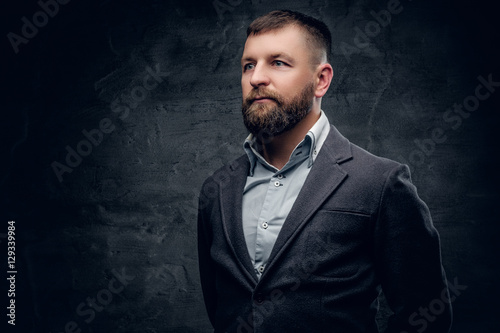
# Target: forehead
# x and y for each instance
(290, 40)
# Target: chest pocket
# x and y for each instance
(338, 242)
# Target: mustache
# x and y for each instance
(263, 93)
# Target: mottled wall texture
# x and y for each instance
(114, 112)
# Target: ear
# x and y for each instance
(324, 75)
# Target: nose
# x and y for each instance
(259, 77)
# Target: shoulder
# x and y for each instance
(367, 178)
(378, 173)
(370, 163)
(234, 168)
(231, 173)
(356, 161)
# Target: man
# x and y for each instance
(302, 232)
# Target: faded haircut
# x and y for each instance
(317, 33)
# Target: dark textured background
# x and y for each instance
(130, 206)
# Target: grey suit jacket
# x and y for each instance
(357, 226)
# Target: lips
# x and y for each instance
(260, 98)
(263, 96)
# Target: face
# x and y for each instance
(277, 81)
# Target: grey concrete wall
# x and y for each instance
(149, 93)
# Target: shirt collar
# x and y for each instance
(311, 144)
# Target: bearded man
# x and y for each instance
(304, 231)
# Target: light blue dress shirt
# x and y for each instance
(269, 193)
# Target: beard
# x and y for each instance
(268, 120)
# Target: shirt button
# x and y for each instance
(280, 176)
(261, 269)
(265, 225)
(277, 183)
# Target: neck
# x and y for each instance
(277, 152)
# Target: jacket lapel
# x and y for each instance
(231, 194)
(325, 176)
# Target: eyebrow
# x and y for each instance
(246, 59)
(285, 55)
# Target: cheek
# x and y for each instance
(290, 90)
(245, 86)
(294, 83)
(244, 93)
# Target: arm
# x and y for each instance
(408, 259)
(206, 267)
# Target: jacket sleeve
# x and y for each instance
(408, 259)
(206, 267)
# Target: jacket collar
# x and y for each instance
(325, 176)
(312, 142)
(323, 179)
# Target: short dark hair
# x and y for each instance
(318, 32)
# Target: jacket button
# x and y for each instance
(259, 298)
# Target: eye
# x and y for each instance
(247, 67)
(279, 63)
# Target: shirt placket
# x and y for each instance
(263, 239)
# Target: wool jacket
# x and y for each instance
(356, 228)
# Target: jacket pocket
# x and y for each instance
(338, 242)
